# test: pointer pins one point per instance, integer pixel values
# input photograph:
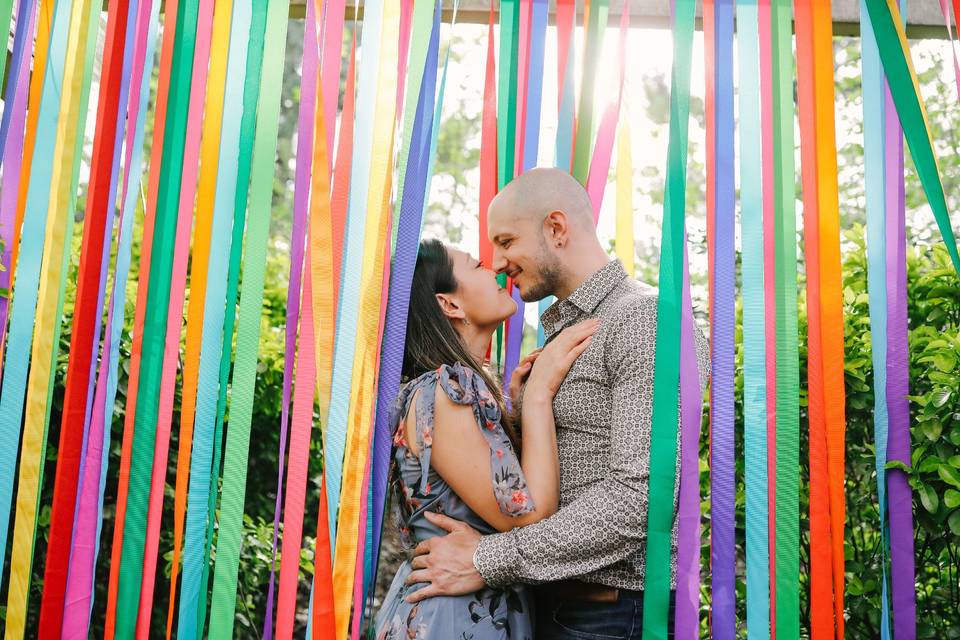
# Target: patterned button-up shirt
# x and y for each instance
(603, 418)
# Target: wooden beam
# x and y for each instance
(924, 19)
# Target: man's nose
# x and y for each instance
(499, 261)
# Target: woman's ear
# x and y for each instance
(450, 307)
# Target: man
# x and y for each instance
(589, 556)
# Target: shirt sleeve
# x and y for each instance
(608, 521)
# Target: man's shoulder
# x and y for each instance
(630, 301)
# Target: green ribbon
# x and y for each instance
(894, 55)
(788, 358)
(6, 10)
(155, 322)
(666, 381)
(248, 327)
(583, 144)
(248, 122)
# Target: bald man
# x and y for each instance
(588, 558)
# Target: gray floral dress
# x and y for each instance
(490, 614)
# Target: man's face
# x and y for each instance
(520, 251)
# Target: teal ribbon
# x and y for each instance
(754, 356)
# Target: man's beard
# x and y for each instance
(551, 275)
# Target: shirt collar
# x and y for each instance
(585, 299)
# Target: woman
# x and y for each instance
(457, 450)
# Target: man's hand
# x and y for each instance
(445, 563)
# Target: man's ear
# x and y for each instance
(556, 227)
(450, 307)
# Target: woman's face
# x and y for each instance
(483, 302)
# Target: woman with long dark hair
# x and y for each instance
(458, 451)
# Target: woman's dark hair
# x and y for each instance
(431, 339)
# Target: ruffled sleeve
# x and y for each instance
(465, 387)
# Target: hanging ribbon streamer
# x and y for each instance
(136, 347)
(663, 438)
(600, 164)
(321, 616)
(85, 543)
(298, 237)
(825, 318)
(902, 568)
(367, 326)
(77, 78)
(624, 242)
(722, 230)
(233, 170)
(687, 623)
(788, 375)
(199, 265)
(874, 116)
(155, 324)
(254, 68)
(336, 436)
(754, 368)
(488, 145)
(248, 332)
(196, 129)
(764, 19)
(418, 141)
(895, 55)
(24, 305)
(41, 48)
(87, 313)
(14, 115)
(945, 10)
(6, 11)
(566, 118)
(593, 46)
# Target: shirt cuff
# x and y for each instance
(497, 559)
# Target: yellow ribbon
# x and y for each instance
(624, 237)
(360, 416)
(46, 333)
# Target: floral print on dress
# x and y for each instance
(492, 613)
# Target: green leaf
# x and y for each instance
(951, 498)
(931, 429)
(897, 464)
(946, 362)
(954, 522)
(940, 397)
(954, 462)
(929, 499)
(949, 475)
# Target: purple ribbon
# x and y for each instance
(900, 499)
(722, 461)
(401, 277)
(687, 623)
(14, 115)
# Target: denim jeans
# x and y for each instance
(560, 619)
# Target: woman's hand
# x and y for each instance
(555, 360)
(520, 375)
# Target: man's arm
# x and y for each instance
(608, 521)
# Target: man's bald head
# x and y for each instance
(543, 235)
(536, 193)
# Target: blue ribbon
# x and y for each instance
(754, 356)
(874, 86)
(722, 481)
(24, 304)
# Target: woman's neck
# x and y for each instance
(477, 341)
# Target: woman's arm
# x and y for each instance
(461, 455)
